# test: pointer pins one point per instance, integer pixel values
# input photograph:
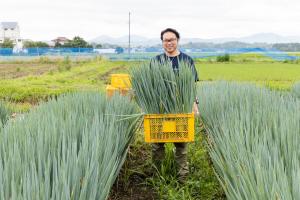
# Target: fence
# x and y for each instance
(143, 55)
(45, 51)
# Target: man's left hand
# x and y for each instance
(196, 110)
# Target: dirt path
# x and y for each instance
(131, 182)
(13, 70)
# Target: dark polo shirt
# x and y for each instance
(176, 60)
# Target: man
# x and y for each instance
(170, 38)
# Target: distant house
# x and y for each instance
(60, 40)
(11, 31)
(103, 51)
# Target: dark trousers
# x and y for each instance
(158, 154)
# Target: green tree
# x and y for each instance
(77, 42)
(7, 43)
(96, 45)
(223, 58)
(57, 44)
(32, 44)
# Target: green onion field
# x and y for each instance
(61, 138)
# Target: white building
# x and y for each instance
(11, 31)
(101, 51)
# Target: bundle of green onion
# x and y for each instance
(70, 148)
(160, 90)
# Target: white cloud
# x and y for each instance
(43, 19)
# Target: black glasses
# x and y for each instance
(169, 40)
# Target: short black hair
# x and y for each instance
(169, 30)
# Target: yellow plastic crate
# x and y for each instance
(120, 80)
(169, 127)
(110, 90)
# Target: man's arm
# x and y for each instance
(195, 107)
(194, 70)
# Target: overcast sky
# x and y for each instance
(45, 19)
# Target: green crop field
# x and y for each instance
(294, 53)
(26, 84)
(31, 82)
(33, 87)
(277, 75)
(250, 72)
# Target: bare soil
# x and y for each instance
(14, 70)
(131, 183)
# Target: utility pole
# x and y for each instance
(129, 37)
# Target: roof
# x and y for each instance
(61, 39)
(9, 25)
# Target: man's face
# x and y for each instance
(170, 42)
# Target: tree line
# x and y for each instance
(76, 42)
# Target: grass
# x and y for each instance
(201, 183)
(249, 72)
(294, 53)
(94, 74)
(240, 58)
(274, 75)
(90, 76)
